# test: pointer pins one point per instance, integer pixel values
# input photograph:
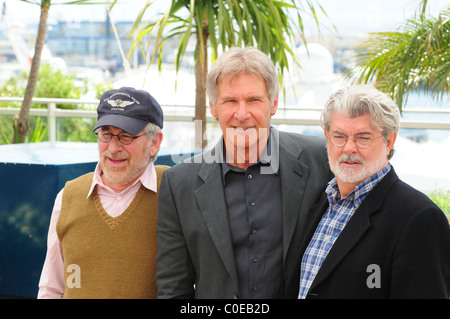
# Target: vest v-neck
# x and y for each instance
(113, 222)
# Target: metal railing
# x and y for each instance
(171, 113)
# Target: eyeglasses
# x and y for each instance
(106, 136)
(340, 140)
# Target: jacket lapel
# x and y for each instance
(293, 176)
(211, 200)
(356, 227)
(350, 235)
(317, 212)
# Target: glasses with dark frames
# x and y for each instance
(106, 136)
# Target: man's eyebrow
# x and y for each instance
(357, 134)
(364, 133)
(255, 97)
(227, 97)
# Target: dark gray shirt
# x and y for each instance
(254, 212)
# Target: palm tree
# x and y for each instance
(414, 58)
(23, 120)
(270, 25)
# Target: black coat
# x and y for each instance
(396, 245)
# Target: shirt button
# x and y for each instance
(252, 203)
(255, 288)
(255, 258)
(119, 197)
(250, 176)
(253, 231)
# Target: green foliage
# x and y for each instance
(75, 130)
(270, 25)
(441, 198)
(55, 84)
(51, 84)
(101, 88)
(414, 58)
(39, 133)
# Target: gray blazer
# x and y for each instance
(195, 255)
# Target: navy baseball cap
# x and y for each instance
(128, 109)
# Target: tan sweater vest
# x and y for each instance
(106, 257)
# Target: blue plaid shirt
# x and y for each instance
(333, 222)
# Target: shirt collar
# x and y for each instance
(147, 179)
(264, 160)
(360, 192)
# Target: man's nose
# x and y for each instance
(115, 144)
(242, 113)
(350, 147)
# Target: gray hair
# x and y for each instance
(151, 130)
(242, 60)
(359, 100)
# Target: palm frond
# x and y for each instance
(415, 58)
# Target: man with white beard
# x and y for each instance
(372, 235)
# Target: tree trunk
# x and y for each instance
(23, 121)
(201, 70)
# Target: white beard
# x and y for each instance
(361, 173)
(120, 176)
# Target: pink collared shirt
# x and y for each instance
(51, 283)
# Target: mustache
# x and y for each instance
(351, 158)
(118, 155)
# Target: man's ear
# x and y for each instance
(391, 141)
(274, 108)
(212, 110)
(156, 143)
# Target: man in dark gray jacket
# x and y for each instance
(231, 219)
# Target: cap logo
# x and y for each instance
(119, 104)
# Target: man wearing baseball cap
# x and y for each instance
(102, 234)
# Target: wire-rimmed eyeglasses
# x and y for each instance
(106, 136)
(340, 140)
